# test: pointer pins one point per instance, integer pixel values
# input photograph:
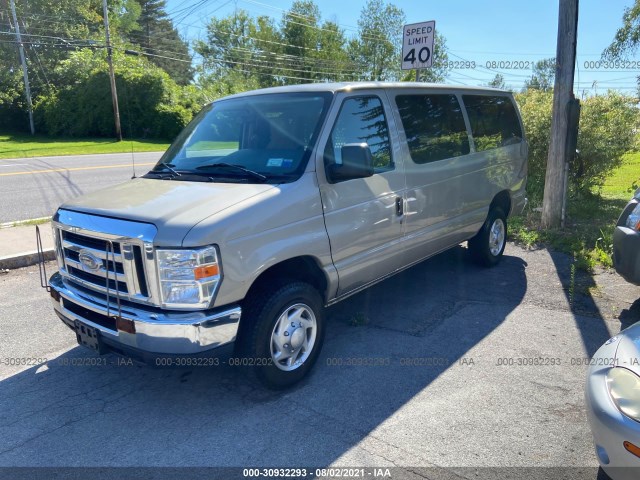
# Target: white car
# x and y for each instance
(613, 404)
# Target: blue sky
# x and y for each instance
(479, 31)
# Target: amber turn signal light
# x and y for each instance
(631, 448)
(206, 271)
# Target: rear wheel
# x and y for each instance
(285, 334)
(487, 246)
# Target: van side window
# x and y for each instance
(361, 120)
(434, 127)
(494, 122)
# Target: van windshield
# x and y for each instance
(260, 138)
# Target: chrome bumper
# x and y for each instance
(155, 331)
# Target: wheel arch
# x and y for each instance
(303, 268)
(502, 200)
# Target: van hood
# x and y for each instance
(174, 207)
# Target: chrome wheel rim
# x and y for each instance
(293, 337)
(496, 237)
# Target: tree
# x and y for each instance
(315, 50)
(157, 36)
(543, 77)
(331, 58)
(627, 37)
(250, 47)
(376, 50)
(300, 49)
(498, 82)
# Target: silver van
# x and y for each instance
(275, 203)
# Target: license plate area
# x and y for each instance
(89, 337)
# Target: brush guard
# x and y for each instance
(110, 256)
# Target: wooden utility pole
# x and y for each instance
(23, 61)
(554, 185)
(112, 77)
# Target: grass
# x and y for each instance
(22, 223)
(590, 221)
(24, 146)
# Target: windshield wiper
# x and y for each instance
(167, 167)
(240, 168)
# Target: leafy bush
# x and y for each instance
(535, 109)
(13, 104)
(606, 132)
(151, 103)
(607, 125)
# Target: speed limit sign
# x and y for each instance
(417, 45)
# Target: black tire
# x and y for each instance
(483, 247)
(262, 310)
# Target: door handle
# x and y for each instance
(399, 206)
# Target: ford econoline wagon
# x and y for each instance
(275, 203)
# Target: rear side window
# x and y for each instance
(361, 120)
(434, 127)
(494, 122)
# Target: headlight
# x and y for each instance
(188, 278)
(624, 388)
(633, 220)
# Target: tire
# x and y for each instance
(487, 247)
(270, 337)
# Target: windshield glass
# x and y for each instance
(252, 139)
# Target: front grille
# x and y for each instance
(100, 264)
(90, 242)
(96, 279)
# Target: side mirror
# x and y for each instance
(357, 162)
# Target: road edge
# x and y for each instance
(26, 259)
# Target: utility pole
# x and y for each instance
(554, 185)
(24, 66)
(112, 77)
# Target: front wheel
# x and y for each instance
(286, 332)
(487, 246)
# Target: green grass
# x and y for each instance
(21, 146)
(22, 223)
(624, 180)
(590, 220)
(211, 145)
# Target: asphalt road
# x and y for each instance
(459, 412)
(35, 187)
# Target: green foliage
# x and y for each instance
(223, 83)
(151, 103)
(156, 34)
(607, 123)
(249, 47)
(498, 82)
(301, 49)
(605, 134)
(535, 109)
(377, 48)
(13, 110)
(627, 37)
(543, 76)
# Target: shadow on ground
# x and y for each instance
(80, 412)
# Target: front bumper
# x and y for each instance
(155, 332)
(626, 254)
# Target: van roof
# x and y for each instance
(347, 86)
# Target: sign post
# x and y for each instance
(417, 46)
